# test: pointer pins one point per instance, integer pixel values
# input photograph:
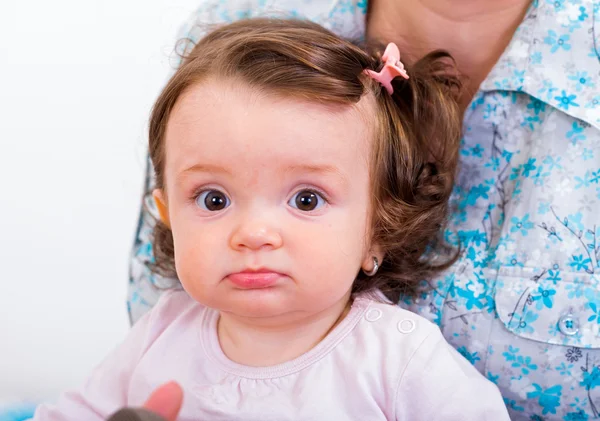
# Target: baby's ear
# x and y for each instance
(161, 204)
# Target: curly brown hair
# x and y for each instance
(417, 131)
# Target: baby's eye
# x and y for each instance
(212, 200)
(307, 201)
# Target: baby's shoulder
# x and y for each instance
(386, 326)
(425, 374)
(388, 318)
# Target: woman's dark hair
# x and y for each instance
(416, 131)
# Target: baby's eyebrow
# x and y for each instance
(205, 168)
(327, 170)
(317, 169)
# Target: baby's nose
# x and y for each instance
(256, 234)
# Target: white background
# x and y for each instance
(77, 81)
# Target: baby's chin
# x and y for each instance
(260, 303)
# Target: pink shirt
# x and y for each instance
(380, 363)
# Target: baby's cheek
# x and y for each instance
(350, 238)
(185, 271)
(339, 254)
(192, 260)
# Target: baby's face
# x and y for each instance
(268, 200)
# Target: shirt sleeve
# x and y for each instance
(106, 389)
(440, 384)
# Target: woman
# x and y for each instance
(522, 302)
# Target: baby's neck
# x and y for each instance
(263, 344)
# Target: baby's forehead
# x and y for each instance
(214, 90)
(216, 121)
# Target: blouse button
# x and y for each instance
(568, 325)
(406, 326)
(373, 315)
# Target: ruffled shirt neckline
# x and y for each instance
(212, 348)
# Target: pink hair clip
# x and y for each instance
(392, 68)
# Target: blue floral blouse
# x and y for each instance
(523, 301)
